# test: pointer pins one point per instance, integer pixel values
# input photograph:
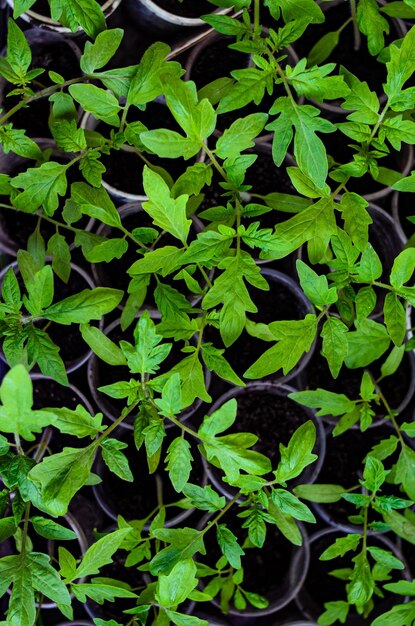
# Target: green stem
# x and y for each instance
(214, 162)
(223, 512)
(113, 426)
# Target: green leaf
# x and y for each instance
(296, 9)
(185, 620)
(99, 592)
(374, 474)
(361, 586)
(58, 249)
(293, 339)
(335, 346)
(217, 363)
(401, 65)
(400, 525)
(145, 85)
(179, 463)
(395, 318)
(101, 103)
(320, 493)
(372, 24)
(290, 505)
(361, 100)
(102, 345)
(286, 524)
(101, 552)
(60, 476)
(116, 460)
(239, 136)
(147, 354)
(176, 587)
(166, 212)
(204, 498)
(341, 546)
(297, 455)
(323, 48)
(85, 13)
(356, 219)
(198, 119)
(16, 414)
(370, 267)
(169, 144)
(366, 344)
(42, 186)
(403, 268)
(51, 530)
(229, 546)
(327, 402)
(385, 558)
(314, 286)
(87, 305)
(313, 82)
(97, 54)
(15, 140)
(19, 55)
(335, 611)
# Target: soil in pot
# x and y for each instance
(406, 209)
(186, 8)
(393, 387)
(50, 54)
(320, 587)
(138, 499)
(205, 68)
(266, 569)
(43, 8)
(49, 393)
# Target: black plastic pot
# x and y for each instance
(284, 301)
(319, 587)
(37, 20)
(68, 337)
(17, 226)
(343, 464)
(137, 500)
(99, 374)
(263, 569)
(50, 51)
(265, 410)
(150, 15)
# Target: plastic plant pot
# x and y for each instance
(151, 16)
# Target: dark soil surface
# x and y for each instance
(48, 393)
(406, 209)
(186, 8)
(206, 68)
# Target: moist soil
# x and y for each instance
(43, 8)
(280, 303)
(265, 569)
(394, 387)
(186, 8)
(48, 393)
(406, 209)
(206, 68)
(315, 594)
(49, 55)
(138, 499)
(371, 71)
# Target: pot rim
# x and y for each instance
(177, 20)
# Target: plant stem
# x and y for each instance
(357, 38)
(214, 162)
(221, 514)
(113, 426)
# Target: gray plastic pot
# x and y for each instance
(308, 604)
(76, 363)
(310, 474)
(402, 225)
(151, 16)
(103, 401)
(45, 23)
